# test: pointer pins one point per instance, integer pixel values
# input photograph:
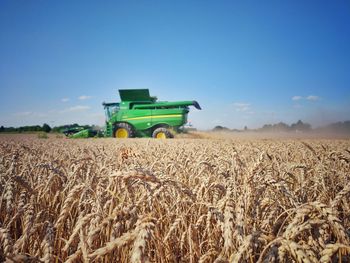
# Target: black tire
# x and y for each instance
(162, 133)
(124, 129)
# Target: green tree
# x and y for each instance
(220, 128)
(46, 128)
(300, 126)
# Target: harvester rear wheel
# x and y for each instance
(162, 133)
(123, 130)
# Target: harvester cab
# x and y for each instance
(140, 115)
(110, 109)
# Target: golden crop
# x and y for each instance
(181, 200)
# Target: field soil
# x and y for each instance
(202, 197)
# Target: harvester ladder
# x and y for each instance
(109, 131)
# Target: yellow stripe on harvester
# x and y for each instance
(155, 117)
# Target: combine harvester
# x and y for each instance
(140, 115)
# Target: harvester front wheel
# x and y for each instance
(162, 133)
(123, 130)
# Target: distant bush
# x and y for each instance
(42, 135)
(338, 127)
(282, 127)
(220, 128)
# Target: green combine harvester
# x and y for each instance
(140, 115)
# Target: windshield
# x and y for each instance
(110, 110)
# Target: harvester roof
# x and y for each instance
(145, 101)
(136, 95)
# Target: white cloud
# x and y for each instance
(31, 114)
(241, 106)
(76, 108)
(84, 97)
(23, 113)
(65, 99)
(216, 121)
(297, 97)
(40, 114)
(312, 97)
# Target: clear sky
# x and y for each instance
(246, 62)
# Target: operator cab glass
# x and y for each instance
(110, 109)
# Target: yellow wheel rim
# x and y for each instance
(161, 135)
(121, 133)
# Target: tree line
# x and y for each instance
(299, 126)
(44, 128)
(31, 128)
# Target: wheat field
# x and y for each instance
(180, 200)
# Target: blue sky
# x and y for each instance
(246, 62)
